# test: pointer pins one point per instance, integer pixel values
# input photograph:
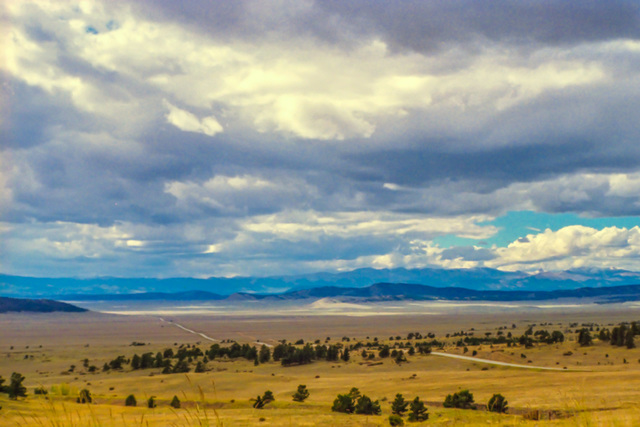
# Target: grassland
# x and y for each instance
(601, 389)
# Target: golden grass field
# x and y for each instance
(601, 391)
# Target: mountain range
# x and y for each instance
(473, 279)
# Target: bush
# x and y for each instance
(343, 403)
(366, 406)
(395, 420)
(301, 394)
(175, 402)
(462, 400)
(84, 396)
(497, 403)
(130, 400)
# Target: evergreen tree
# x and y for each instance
(497, 403)
(135, 362)
(15, 387)
(264, 354)
(399, 405)
(462, 400)
(343, 403)
(584, 337)
(629, 340)
(268, 396)
(151, 403)
(417, 411)
(85, 396)
(366, 406)
(175, 402)
(354, 393)
(301, 394)
(130, 401)
(345, 355)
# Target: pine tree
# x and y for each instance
(366, 406)
(15, 387)
(301, 394)
(343, 403)
(84, 396)
(175, 402)
(629, 339)
(151, 403)
(497, 403)
(399, 405)
(345, 355)
(417, 411)
(130, 401)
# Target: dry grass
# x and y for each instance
(606, 394)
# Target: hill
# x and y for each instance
(36, 306)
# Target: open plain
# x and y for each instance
(598, 387)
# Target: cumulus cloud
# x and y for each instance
(572, 247)
(278, 136)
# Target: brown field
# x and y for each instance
(600, 389)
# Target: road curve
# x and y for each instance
(495, 362)
(206, 337)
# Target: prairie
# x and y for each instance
(599, 386)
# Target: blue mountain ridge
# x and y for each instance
(473, 279)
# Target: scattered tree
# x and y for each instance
(175, 402)
(399, 405)
(366, 406)
(417, 411)
(301, 394)
(497, 403)
(84, 396)
(343, 403)
(15, 387)
(462, 400)
(151, 403)
(130, 401)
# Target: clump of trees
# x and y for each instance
(355, 402)
(417, 409)
(461, 400)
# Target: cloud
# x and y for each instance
(572, 247)
(268, 137)
(188, 122)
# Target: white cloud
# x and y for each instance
(188, 122)
(572, 247)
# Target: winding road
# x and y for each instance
(495, 362)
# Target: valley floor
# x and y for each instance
(599, 386)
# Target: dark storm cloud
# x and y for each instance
(417, 25)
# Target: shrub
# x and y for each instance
(37, 390)
(462, 400)
(301, 394)
(175, 402)
(395, 420)
(84, 396)
(497, 403)
(130, 400)
(366, 406)
(343, 403)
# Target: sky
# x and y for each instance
(273, 137)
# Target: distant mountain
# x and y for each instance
(389, 292)
(475, 278)
(35, 305)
